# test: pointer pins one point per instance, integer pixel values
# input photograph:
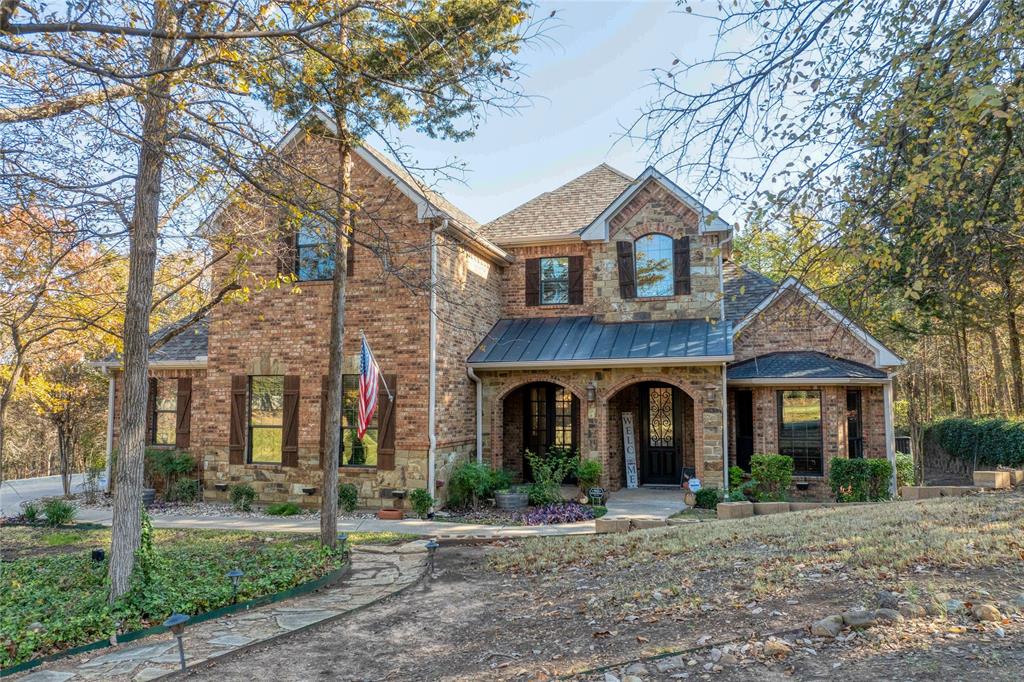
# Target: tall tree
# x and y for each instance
(392, 64)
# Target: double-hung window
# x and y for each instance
(554, 281)
(800, 434)
(165, 411)
(314, 251)
(266, 419)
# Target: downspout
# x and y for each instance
(890, 436)
(479, 415)
(432, 372)
(110, 425)
(725, 432)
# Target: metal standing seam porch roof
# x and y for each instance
(574, 341)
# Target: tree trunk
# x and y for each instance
(999, 374)
(65, 447)
(8, 393)
(336, 350)
(127, 522)
(1016, 371)
(964, 372)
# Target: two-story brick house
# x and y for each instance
(608, 296)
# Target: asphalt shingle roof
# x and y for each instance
(744, 289)
(560, 339)
(808, 365)
(188, 346)
(565, 210)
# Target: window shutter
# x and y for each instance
(151, 411)
(575, 280)
(681, 265)
(290, 436)
(386, 423)
(236, 443)
(627, 274)
(532, 281)
(182, 433)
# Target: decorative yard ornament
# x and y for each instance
(629, 448)
(694, 484)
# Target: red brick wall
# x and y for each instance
(513, 282)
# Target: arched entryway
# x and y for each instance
(537, 416)
(663, 430)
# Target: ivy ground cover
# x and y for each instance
(53, 594)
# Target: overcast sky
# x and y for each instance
(588, 81)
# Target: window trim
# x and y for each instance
(670, 268)
(250, 426)
(543, 280)
(155, 416)
(779, 398)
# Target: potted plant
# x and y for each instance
(511, 498)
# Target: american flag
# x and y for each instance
(369, 378)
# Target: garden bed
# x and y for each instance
(215, 510)
(553, 514)
(53, 594)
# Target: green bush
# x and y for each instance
(707, 498)
(737, 476)
(185, 490)
(470, 482)
(860, 480)
(588, 474)
(904, 469)
(284, 509)
(549, 471)
(58, 512)
(774, 474)
(348, 497)
(421, 502)
(737, 495)
(242, 496)
(165, 466)
(30, 511)
(990, 442)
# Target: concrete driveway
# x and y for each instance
(13, 493)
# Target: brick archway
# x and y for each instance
(497, 410)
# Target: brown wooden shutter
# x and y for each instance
(151, 388)
(575, 280)
(532, 281)
(386, 423)
(239, 419)
(290, 436)
(681, 265)
(183, 430)
(627, 274)
(323, 420)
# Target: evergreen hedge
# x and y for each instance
(860, 480)
(990, 442)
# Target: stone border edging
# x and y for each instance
(308, 587)
(207, 662)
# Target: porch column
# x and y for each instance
(890, 436)
(725, 433)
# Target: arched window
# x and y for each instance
(653, 258)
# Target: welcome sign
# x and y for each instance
(629, 448)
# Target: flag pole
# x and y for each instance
(374, 358)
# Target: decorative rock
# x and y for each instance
(830, 626)
(776, 649)
(608, 677)
(888, 600)
(953, 606)
(716, 655)
(729, 659)
(1018, 601)
(987, 612)
(908, 610)
(664, 665)
(636, 669)
(859, 618)
(888, 615)
(632, 678)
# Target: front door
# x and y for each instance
(744, 428)
(661, 435)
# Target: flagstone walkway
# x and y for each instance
(378, 571)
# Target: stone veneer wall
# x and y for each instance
(654, 209)
(597, 433)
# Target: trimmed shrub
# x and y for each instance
(989, 442)
(471, 482)
(165, 466)
(421, 502)
(348, 497)
(904, 469)
(284, 509)
(242, 496)
(588, 474)
(736, 477)
(860, 480)
(185, 490)
(58, 512)
(707, 498)
(774, 474)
